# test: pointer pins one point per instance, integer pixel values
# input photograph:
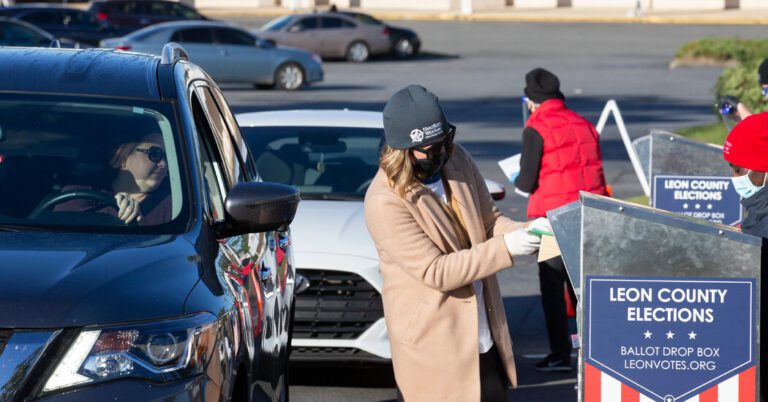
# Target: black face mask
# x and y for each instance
(429, 166)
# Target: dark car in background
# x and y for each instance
(405, 42)
(195, 306)
(62, 22)
(14, 32)
(129, 15)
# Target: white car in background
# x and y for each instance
(331, 156)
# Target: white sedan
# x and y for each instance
(331, 156)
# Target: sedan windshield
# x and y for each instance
(323, 162)
(88, 164)
(277, 23)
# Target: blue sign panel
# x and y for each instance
(709, 198)
(669, 338)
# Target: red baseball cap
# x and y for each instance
(747, 143)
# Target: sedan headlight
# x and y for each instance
(316, 57)
(159, 351)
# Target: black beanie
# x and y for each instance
(413, 117)
(542, 85)
(762, 72)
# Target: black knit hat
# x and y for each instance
(413, 117)
(542, 85)
(762, 72)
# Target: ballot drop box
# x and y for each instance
(668, 304)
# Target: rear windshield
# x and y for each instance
(322, 162)
(66, 163)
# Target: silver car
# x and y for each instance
(333, 35)
(228, 53)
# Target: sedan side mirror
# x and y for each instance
(258, 207)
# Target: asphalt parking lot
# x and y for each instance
(477, 70)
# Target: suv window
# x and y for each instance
(183, 12)
(73, 155)
(80, 19)
(124, 7)
(213, 175)
(229, 36)
(230, 159)
(43, 17)
(193, 35)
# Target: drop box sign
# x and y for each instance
(709, 198)
(671, 339)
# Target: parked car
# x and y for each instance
(228, 53)
(62, 22)
(331, 156)
(332, 35)
(19, 33)
(193, 305)
(405, 43)
(129, 15)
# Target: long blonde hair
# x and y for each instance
(397, 165)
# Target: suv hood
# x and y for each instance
(332, 227)
(55, 280)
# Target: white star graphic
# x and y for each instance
(692, 335)
(709, 206)
(647, 334)
(697, 206)
(685, 206)
(670, 335)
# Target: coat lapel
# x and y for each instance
(435, 222)
(466, 198)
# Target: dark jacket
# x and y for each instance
(155, 209)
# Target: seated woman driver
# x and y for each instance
(137, 182)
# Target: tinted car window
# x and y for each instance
(183, 12)
(323, 162)
(332, 22)
(17, 35)
(80, 19)
(193, 35)
(43, 17)
(234, 37)
(364, 18)
(308, 23)
(159, 9)
(128, 7)
(59, 147)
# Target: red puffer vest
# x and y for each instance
(571, 160)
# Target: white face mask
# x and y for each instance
(745, 187)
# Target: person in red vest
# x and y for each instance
(560, 157)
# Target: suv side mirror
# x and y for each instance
(258, 207)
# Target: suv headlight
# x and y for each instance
(159, 351)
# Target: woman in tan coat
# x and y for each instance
(441, 240)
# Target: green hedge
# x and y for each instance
(725, 49)
(741, 81)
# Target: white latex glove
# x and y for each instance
(520, 242)
(541, 224)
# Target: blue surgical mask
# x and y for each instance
(744, 186)
(765, 92)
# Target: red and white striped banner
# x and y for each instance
(600, 387)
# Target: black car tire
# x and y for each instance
(358, 52)
(404, 48)
(290, 77)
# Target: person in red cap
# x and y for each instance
(746, 150)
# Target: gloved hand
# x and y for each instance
(541, 224)
(520, 242)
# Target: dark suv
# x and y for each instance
(141, 257)
(129, 15)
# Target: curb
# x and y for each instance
(505, 17)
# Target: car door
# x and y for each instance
(256, 259)
(336, 34)
(304, 34)
(199, 44)
(242, 59)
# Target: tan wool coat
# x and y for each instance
(429, 303)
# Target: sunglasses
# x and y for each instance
(438, 148)
(155, 154)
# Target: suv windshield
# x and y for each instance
(323, 162)
(86, 164)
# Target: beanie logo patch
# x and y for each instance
(417, 136)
